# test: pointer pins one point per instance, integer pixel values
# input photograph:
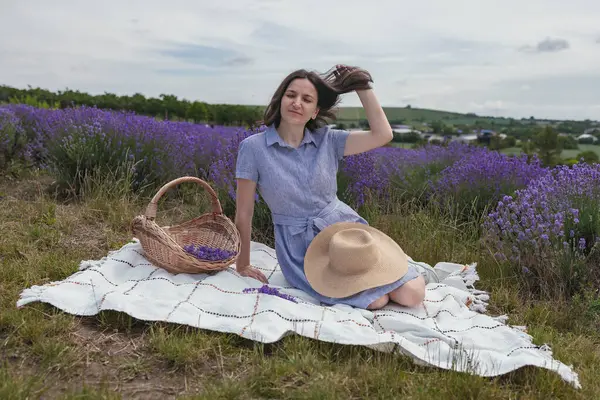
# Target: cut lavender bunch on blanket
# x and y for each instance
(209, 253)
(266, 289)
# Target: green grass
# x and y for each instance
(416, 115)
(566, 154)
(402, 145)
(50, 354)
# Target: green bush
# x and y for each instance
(570, 162)
(589, 156)
(568, 142)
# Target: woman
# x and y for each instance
(294, 165)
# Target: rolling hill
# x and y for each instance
(417, 115)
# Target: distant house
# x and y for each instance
(586, 137)
(466, 138)
(591, 131)
(485, 135)
(435, 138)
(401, 127)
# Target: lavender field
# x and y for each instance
(543, 223)
(71, 180)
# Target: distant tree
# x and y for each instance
(410, 137)
(528, 147)
(397, 121)
(568, 142)
(165, 107)
(437, 127)
(448, 130)
(509, 141)
(548, 145)
(495, 143)
(198, 111)
(171, 106)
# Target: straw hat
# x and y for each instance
(348, 257)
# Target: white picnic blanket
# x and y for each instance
(450, 330)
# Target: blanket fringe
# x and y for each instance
(479, 298)
(30, 294)
(83, 265)
(469, 274)
(480, 301)
(501, 318)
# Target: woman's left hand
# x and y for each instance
(341, 70)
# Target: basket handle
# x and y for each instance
(153, 205)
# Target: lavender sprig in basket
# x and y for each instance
(208, 253)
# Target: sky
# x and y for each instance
(508, 58)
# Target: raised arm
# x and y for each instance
(380, 132)
(244, 213)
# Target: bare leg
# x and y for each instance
(411, 294)
(379, 303)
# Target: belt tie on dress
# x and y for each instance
(306, 225)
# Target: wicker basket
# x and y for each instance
(164, 246)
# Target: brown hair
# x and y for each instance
(329, 87)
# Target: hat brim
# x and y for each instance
(325, 281)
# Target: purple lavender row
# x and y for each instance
(558, 213)
(161, 150)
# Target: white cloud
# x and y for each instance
(462, 55)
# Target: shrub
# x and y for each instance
(588, 156)
(570, 162)
(547, 231)
(568, 142)
(12, 138)
(476, 181)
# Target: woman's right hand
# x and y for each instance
(252, 272)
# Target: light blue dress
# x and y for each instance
(300, 189)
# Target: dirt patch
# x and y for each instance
(108, 343)
(122, 361)
(107, 360)
(93, 237)
(28, 189)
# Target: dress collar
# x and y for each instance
(272, 137)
